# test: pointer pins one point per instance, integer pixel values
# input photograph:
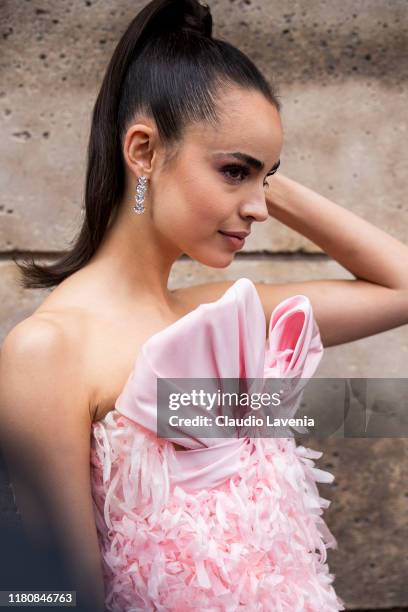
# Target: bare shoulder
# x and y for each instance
(43, 335)
(33, 335)
(45, 437)
(39, 357)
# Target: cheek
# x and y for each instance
(192, 203)
(205, 202)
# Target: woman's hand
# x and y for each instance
(274, 183)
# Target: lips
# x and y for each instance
(238, 234)
(234, 240)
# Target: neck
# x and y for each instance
(134, 260)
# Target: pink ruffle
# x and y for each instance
(258, 542)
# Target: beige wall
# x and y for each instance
(342, 71)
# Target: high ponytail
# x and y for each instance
(167, 65)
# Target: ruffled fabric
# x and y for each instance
(187, 530)
(258, 542)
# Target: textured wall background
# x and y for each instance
(342, 70)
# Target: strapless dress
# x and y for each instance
(228, 523)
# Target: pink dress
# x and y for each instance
(227, 524)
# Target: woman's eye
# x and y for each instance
(236, 173)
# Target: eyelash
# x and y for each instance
(244, 170)
(233, 167)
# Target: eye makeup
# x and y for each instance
(244, 170)
(230, 169)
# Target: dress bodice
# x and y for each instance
(225, 521)
(221, 339)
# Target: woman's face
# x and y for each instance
(211, 188)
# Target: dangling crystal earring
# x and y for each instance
(140, 195)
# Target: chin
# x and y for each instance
(214, 260)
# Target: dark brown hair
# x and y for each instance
(168, 66)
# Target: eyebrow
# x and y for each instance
(252, 161)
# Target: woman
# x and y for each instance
(184, 134)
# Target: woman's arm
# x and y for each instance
(45, 426)
(365, 250)
(345, 310)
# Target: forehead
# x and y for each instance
(248, 122)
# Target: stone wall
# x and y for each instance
(341, 71)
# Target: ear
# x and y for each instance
(139, 149)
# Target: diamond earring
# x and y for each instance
(140, 195)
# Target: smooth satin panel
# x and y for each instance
(222, 339)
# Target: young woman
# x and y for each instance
(185, 133)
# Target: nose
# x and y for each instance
(255, 207)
